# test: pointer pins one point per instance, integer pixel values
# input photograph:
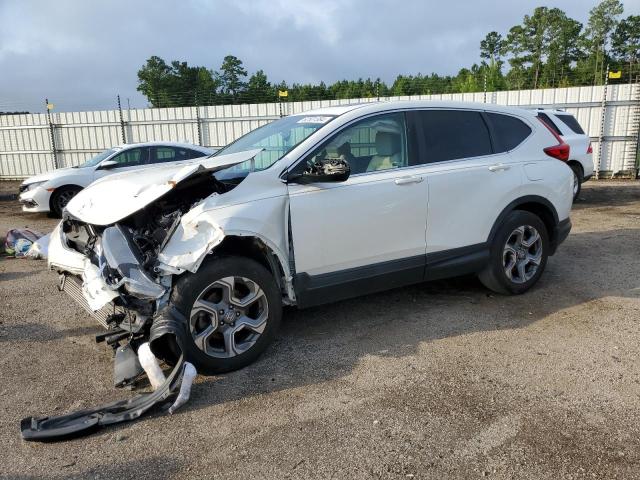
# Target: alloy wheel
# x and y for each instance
(228, 317)
(522, 254)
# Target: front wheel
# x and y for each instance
(518, 254)
(61, 197)
(234, 307)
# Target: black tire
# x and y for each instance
(190, 286)
(61, 197)
(494, 277)
(578, 178)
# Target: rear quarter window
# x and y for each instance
(572, 123)
(508, 132)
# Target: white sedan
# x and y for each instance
(52, 191)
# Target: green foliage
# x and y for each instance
(548, 49)
(625, 43)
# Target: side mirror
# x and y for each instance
(330, 170)
(108, 165)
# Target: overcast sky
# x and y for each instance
(81, 53)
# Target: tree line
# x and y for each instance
(547, 49)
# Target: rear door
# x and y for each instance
(471, 181)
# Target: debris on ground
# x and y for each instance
(39, 248)
(19, 240)
(84, 421)
(188, 376)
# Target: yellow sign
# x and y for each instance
(617, 74)
(49, 106)
(283, 93)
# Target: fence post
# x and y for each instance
(122, 129)
(54, 150)
(485, 87)
(198, 119)
(603, 118)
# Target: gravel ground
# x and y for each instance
(440, 380)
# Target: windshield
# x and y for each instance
(276, 139)
(92, 162)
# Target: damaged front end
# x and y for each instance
(122, 273)
(119, 265)
(123, 239)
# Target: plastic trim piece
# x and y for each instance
(85, 421)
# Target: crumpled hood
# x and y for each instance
(117, 196)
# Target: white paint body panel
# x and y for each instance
(367, 219)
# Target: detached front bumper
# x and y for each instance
(35, 200)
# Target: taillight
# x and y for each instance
(560, 151)
(590, 148)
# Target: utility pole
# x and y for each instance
(54, 150)
(122, 129)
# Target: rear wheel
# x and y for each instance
(577, 180)
(518, 254)
(234, 307)
(61, 197)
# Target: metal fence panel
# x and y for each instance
(26, 148)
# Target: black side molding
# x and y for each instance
(457, 261)
(354, 282)
(314, 290)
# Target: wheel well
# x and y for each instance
(576, 163)
(255, 249)
(543, 212)
(63, 187)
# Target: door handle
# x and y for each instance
(498, 167)
(408, 179)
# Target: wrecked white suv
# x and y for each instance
(313, 208)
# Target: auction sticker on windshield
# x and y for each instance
(314, 120)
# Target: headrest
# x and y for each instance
(387, 143)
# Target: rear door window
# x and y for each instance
(508, 132)
(196, 154)
(571, 122)
(131, 157)
(163, 154)
(453, 134)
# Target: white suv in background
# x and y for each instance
(52, 191)
(314, 208)
(581, 155)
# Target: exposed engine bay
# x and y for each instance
(123, 267)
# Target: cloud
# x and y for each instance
(82, 54)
